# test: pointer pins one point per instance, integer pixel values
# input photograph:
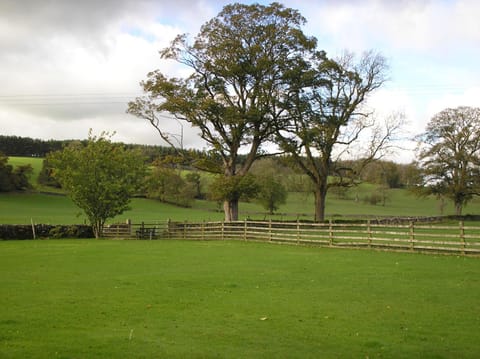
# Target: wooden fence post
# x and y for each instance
(270, 230)
(298, 230)
(412, 235)
(462, 237)
(185, 229)
(330, 232)
(369, 230)
(169, 233)
(203, 230)
(245, 229)
(129, 225)
(223, 230)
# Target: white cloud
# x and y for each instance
(84, 59)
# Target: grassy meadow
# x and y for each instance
(55, 208)
(21, 208)
(180, 299)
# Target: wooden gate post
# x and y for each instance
(462, 237)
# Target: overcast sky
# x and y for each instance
(69, 65)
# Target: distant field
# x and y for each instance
(54, 209)
(35, 162)
(176, 299)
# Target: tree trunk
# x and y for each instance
(320, 196)
(96, 230)
(458, 209)
(97, 227)
(231, 210)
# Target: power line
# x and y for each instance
(68, 99)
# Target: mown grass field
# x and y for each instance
(178, 299)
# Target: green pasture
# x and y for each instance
(57, 209)
(222, 299)
(21, 208)
(18, 208)
(35, 162)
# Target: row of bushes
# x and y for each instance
(10, 231)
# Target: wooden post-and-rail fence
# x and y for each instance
(459, 239)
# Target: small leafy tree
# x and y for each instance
(166, 185)
(194, 179)
(271, 193)
(100, 177)
(14, 179)
(449, 156)
(45, 177)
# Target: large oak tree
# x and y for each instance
(240, 67)
(328, 120)
(449, 155)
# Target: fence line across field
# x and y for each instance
(414, 237)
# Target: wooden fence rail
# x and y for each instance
(459, 239)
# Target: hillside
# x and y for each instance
(58, 209)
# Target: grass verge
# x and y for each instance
(177, 299)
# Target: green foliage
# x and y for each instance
(100, 177)
(327, 118)
(449, 155)
(233, 188)
(45, 177)
(185, 299)
(166, 185)
(14, 178)
(194, 179)
(72, 231)
(379, 195)
(238, 64)
(271, 193)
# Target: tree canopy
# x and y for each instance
(327, 117)
(241, 63)
(449, 155)
(100, 177)
(13, 179)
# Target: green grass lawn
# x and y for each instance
(178, 299)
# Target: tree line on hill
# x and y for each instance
(165, 182)
(19, 146)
